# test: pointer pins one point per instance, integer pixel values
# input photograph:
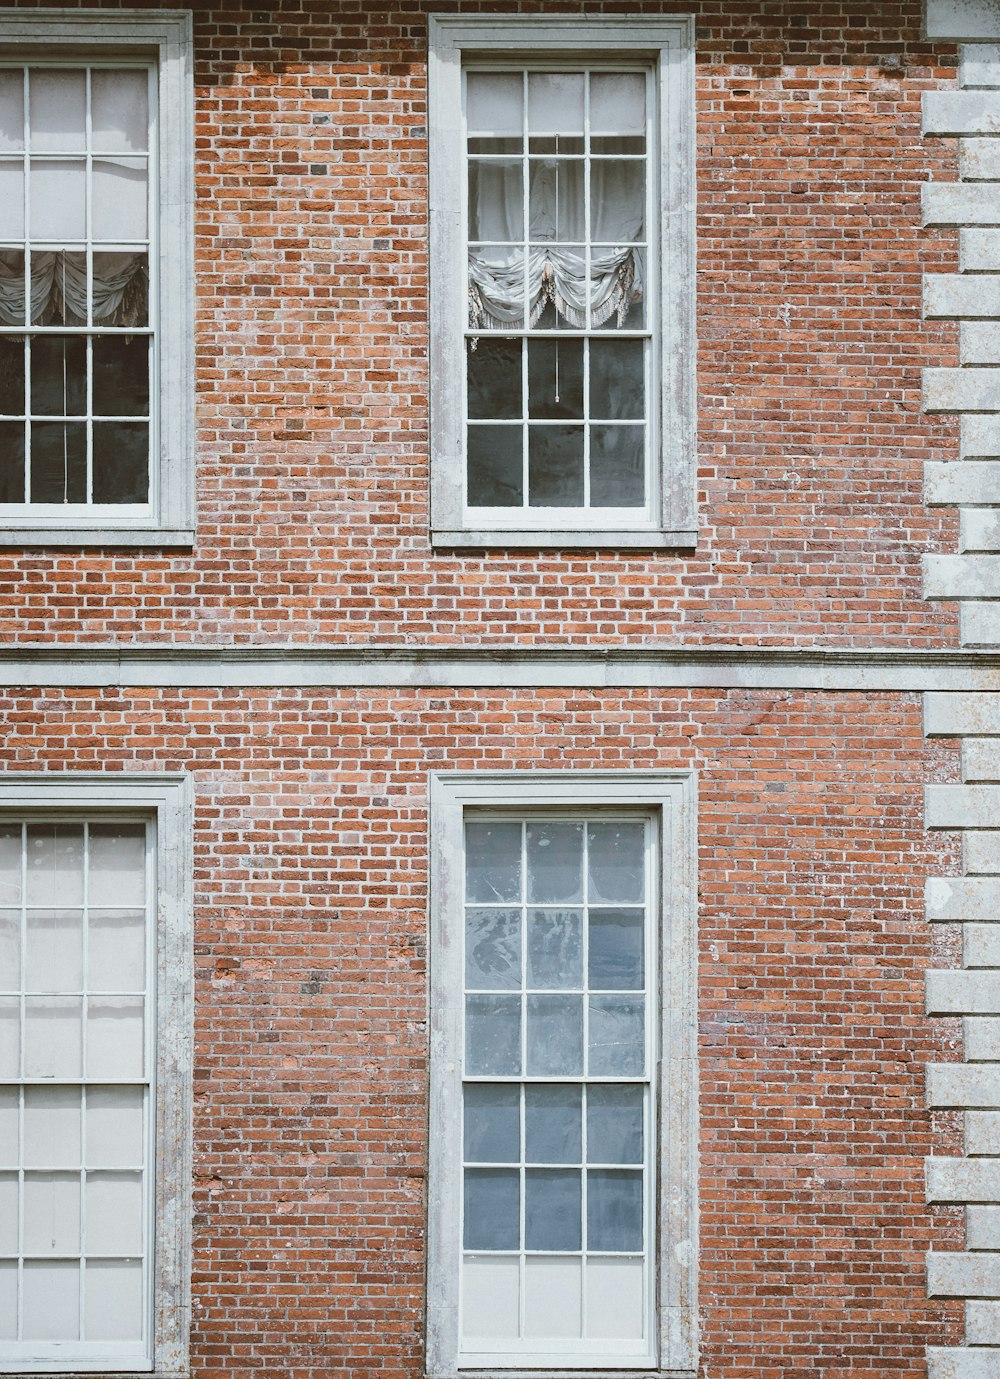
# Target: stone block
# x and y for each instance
(963, 1274)
(961, 1086)
(979, 64)
(982, 1037)
(961, 390)
(979, 622)
(963, 1180)
(961, 576)
(981, 759)
(982, 1228)
(962, 294)
(957, 899)
(981, 853)
(955, 992)
(961, 203)
(962, 1362)
(979, 160)
(979, 249)
(981, 945)
(961, 112)
(976, 482)
(982, 1322)
(979, 341)
(979, 528)
(980, 435)
(963, 19)
(951, 713)
(982, 1132)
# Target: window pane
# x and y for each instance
(10, 1036)
(617, 466)
(51, 1213)
(117, 857)
(615, 1298)
(494, 103)
(615, 950)
(496, 201)
(58, 199)
(117, 950)
(555, 1035)
(614, 1125)
(58, 109)
(114, 1126)
(11, 462)
(115, 1037)
(628, 284)
(492, 1209)
(617, 380)
(552, 1202)
(555, 466)
(52, 1127)
(121, 376)
(10, 865)
(614, 1210)
(492, 1124)
(120, 293)
(10, 949)
(555, 378)
(495, 387)
(11, 200)
(492, 862)
(8, 1300)
(492, 1036)
(496, 287)
(12, 290)
(54, 950)
(556, 207)
(59, 462)
(617, 201)
(114, 1213)
(59, 289)
(11, 110)
(555, 102)
(495, 460)
(616, 1036)
(617, 103)
(8, 1213)
(555, 948)
(490, 1294)
(51, 1301)
(121, 462)
(493, 949)
(120, 199)
(555, 863)
(113, 1307)
(11, 376)
(553, 1297)
(553, 1124)
(119, 118)
(52, 1037)
(9, 1128)
(58, 375)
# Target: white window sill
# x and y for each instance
(685, 538)
(28, 536)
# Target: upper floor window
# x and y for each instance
(94, 433)
(560, 282)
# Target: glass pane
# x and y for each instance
(8, 1213)
(555, 466)
(553, 1297)
(51, 1213)
(58, 109)
(492, 1124)
(495, 464)
(114, 1127)
(615, 953)
(10, 950)
(55, 865)
(617, 201)
(58, 200)
(555, 102)
(52, 1036)
(552, 1125)
(616, 858)
(555, 948)
(492, 1206)
(11, 200)
(119, 199)
(615, 1292)
(555, 863)
(555, 1035)
(114, 1213)
(59, 375)
(121, 462)
(12, 290)
(618, 288)
(115, 1037)
(59, 296)
(11, 376)
(117, 864)
(555, 378)
(10, 1036)
(494, 103)
(9, 1120)
(52, 1137)
(614, 1125)
(617, 467)
(556, 208)
(614, 1210)
(8, 1301)
(616, 1036)
(490, 1293)
(120, 290)
(496, 288)
(54, 950)
(10, 864)
(119, 116)
(51, 1301)
(496, 201)
(117, 950)
(618, 103)
(121, 376)
(11, 462)
(552, 1199)
(617, 380)
(59, 462)
(492, 862)
(113, 1304)
(11, 110)
(492, 1036)
(493, 949)
(494, 367)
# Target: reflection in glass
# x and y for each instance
(492, 1036)
(614, 1210)
(555, 948)
(555, 863)
(492, 1209)
(492, 1123)
(492, 862)
(555, 1035)
(552, 1201)
(553, 1124)
(493, 949)
(616, 1036)
(615, 950)
(616, 863)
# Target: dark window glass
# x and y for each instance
(121, 376)
(59, 462)
(121, 462)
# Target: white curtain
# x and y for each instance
(556, 272)
(119, 296)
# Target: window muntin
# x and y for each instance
(77, 343)
(560, 344)
(558, 1226)
(77, 1061)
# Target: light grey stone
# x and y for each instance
(961, 576)
(982, 1228)
(975, 482)
(953, 992)
(981, 852)
(962, 1362)
(979, 64)
(982, 1323)
(981, 945)
(982, 1038)
(963, 1274)
(981, 759)
(979, 622)
(954, 899)
(961, 112)
(963, 19)
(979, 528)
(961, 390)
(953, 713)
(963, 1180)
(963, 1086)
(962, 294)
(961, 203)
(979, 160)
(982, 1132)
(980, 435)
(979, 342)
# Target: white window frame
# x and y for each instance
(669, 796)
(130, 36)
(166, 800)
(668, 45)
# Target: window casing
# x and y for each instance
(562, 1072)
(561, 282)
(94, 1076)
(95, 273)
